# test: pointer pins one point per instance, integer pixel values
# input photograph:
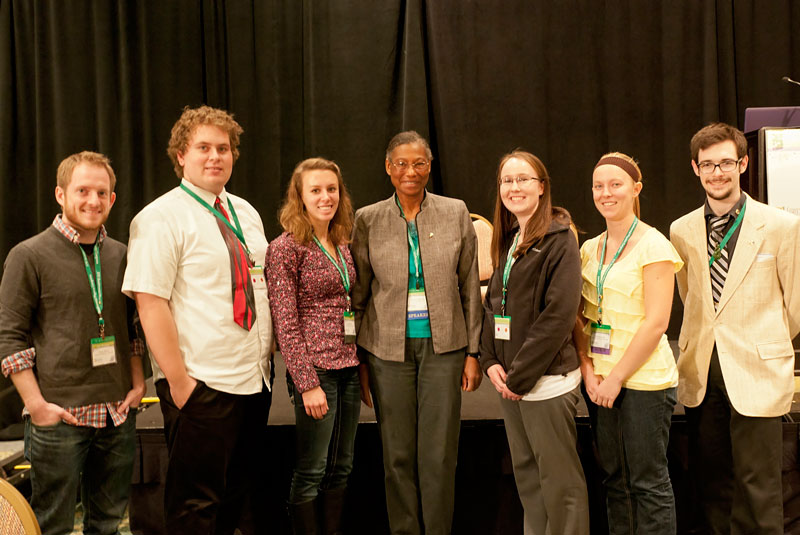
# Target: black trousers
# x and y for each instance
(736, 462)
(217, 472)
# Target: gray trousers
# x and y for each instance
(548, 472)
(418, 406)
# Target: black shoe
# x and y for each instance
(304, 517)
(332, 510)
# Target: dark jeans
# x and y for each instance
(418, 405)
(325, 447)
(736, 460)
(217, 467)
(632, 439)
(64, 457)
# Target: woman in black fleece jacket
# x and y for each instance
(526, 345)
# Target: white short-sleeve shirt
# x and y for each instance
(176, 252)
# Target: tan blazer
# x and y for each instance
(756, 318)
(448, 248)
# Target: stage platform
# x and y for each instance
(480, 406)
(483, 405)
(486, 498)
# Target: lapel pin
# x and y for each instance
(430, 235)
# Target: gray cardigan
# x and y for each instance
(448, 249)
(45, 303)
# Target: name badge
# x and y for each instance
(349, 327)
(103, 351)
(257, 278)
(417, 305)
(601, 339)
(502, 327)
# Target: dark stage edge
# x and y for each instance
(481, 405)
(486, 498)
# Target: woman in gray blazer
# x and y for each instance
(418, 312)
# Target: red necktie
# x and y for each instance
(244, 309)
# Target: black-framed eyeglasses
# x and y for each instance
(402, 165)
(726, 166)
(521, 180)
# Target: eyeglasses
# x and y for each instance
(726, 166)
(402, 166)
(521, 180)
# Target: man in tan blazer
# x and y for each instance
(736, 365)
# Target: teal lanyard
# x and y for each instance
(412, 245)
(721, 245)
(343, 274)
(601, 275)
(237, 230)
(507, 273)
(95, 285)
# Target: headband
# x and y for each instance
(622, 163)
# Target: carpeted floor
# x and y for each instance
(124, 528)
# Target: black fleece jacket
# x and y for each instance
(544, 292)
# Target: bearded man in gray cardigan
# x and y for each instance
(68, 342)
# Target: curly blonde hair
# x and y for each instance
(190, 119)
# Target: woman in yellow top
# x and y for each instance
(627, 365)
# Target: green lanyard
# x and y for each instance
(96, 286)
(601, 276)
(507, 273)
(345, 276)
(721, 245)
(414, 247)
(237, 230)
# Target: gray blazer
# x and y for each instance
(448, 249)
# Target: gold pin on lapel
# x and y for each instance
(430, 235)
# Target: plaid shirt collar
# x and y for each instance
(71, 234)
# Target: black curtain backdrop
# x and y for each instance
(567, 80)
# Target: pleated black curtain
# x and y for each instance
(567, 80)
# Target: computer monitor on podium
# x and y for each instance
(755, 118)
(768, 146)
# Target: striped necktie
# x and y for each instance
(244, 302)
(719, 269)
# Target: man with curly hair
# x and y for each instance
(195, 270)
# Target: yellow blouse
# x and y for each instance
(623, 308)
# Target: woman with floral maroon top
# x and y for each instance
(309, 274)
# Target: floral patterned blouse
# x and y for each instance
(308, 300)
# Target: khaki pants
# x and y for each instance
(547, 469)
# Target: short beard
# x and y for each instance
(722, 196)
